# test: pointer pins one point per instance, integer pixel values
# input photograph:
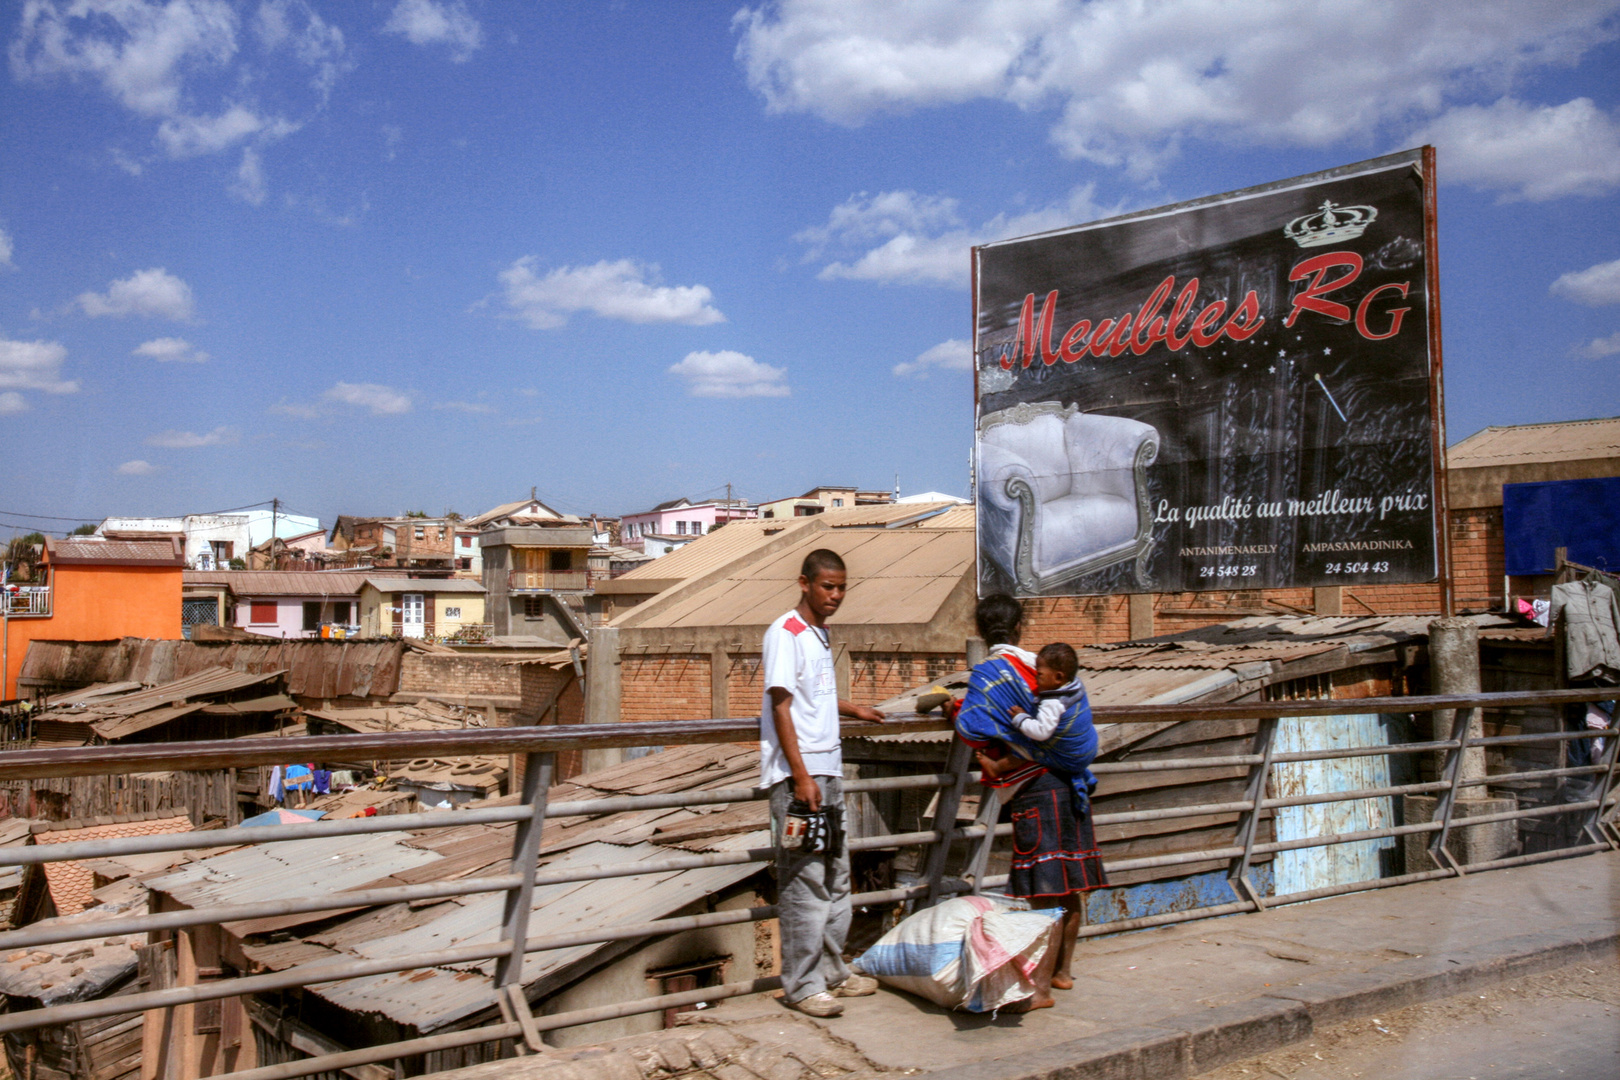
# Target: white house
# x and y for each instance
(213, 540)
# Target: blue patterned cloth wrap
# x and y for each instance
(995, 688)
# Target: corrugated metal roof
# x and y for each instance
(957, 517)
(898, 576)
(714, 550)
(425, 585)
(280, 582)
(82, 549)
(1521, 444)
(318, 866)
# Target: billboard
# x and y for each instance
(1240, 392)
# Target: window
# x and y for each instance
(837, 503)
(312, 615)
(261, 612)
(420, 532)
(340, 611)
(534, 607)
(680, 528)
(561, 560)
(697, 528)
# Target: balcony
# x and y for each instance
(26, 601)
(552, 580)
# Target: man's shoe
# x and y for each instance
(822, 1005)
(856, 986)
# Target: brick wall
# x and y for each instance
(878, 676)
(664, 686)
(478, 675)
(539, 684)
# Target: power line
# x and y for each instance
(81, 519)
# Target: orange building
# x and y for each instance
(94, 590)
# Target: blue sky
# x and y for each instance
(379, 256)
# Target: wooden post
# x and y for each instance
(604, 691)
(719, 690)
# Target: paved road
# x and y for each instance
(1563, 1024)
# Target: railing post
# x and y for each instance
(950, 799)
(520, 899)
(1605, 784)
(1452, 774)
(1248, 824)
(979, 861)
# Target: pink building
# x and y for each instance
(680, 517)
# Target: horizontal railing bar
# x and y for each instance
(321, 971)
(715, 796)
(1368, 751)
(369, 1055)
(1326, 891)
(1551, 810)
(83, 929)
(1177, 859)
(1125, 817)
(1353, 796)
(258, 834)
(395, 746)
(1168, 918)
(1104, 768)
(1330, 839)
(1535, 774)
(1544, 736)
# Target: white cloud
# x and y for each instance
(193, 136)
(1599, 348)
(1534, 152)
(180, 64)
(1596, 285)
(294, 408)
(311, 39)
(380, 400)
(137, 468)
(613, 290)
(6, 250)
(924, 239)
(190, 440)
(34, 365)
(728, 374)
(152, 292)
(426, 22)
(171, 350)
(12, 403)
(1129, 80)
(952, 355)
(249, 185)
(464, 406)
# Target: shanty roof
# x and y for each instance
(425, 585)
(430, 999)
(897, 576)
(522, 508)
(280, 582)
(1521, 444)
(120, 714)
(314, 668)
(96, 551)
(75, 970)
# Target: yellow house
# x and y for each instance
(420, 607)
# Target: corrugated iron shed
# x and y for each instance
(280, 582)
(1523, 444)
(315, 668)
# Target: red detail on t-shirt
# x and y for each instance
(794, 626)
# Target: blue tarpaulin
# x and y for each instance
(1580, 515)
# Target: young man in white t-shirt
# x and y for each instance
(802, 759)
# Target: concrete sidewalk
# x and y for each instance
(1179, 1000)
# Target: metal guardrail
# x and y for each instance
(541, 744)
(25, 601)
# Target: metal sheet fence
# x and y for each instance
(1596, 832)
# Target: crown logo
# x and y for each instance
(1330, 225)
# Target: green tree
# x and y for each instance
(83, 530)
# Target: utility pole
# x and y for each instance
(275, 511)
(728, 500)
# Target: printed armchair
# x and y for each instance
(1063, 493)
